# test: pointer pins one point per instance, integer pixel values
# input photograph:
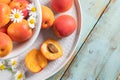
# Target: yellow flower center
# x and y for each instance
(2, 67)
(14, 63)
(32, 21)
(17, 15)
(20, 76)
(33, 9)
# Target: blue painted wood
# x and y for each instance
(99, 49)
(111, 70)
(99, 58)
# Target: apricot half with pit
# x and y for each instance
(35, 61)
(51, 49)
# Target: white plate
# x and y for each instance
(68, 44)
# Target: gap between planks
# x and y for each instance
(68, 65)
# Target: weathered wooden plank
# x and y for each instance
(91, 11)
(111, 70)
(99, 57)
(102, 46)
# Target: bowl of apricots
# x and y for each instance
(58, 23)
(20, 24)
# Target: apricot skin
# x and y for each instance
(64, 25)
(5, 44)
(5, 1)
(61, 5)
(4, 14)
(19, 32)
(47, 17)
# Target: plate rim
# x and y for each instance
(79, 25)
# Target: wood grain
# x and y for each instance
(99, 58)
(90, 17)
(111, 69)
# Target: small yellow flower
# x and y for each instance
(32, 9)
(13, 63)
(19, 76)
(16, 16)
(31, 22)
(2, 67)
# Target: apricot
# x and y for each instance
(47, 17)
(5, 1)
(35, 61)
(61, 5)
(21, 5)
(51, 49)
(19, 32)
(5, 12)
(3, 29)
(64, 25)
(5, 44)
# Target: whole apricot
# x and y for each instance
(51, 49)
(5, 1)
(19, 32)
(61, 5)
(35, 61)
(47, 17)
(64, 25)
(21, 5)
(5, 44)
(5, 12)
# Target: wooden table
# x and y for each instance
(97, 56)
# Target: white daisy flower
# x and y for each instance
(13, 63)
(31, 7)
(31, 22)
(16, 15)
(2, 65)
(19, 75)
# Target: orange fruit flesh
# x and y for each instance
(35, 61)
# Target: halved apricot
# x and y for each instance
(51, 49)
(35, 61)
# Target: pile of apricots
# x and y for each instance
(18, 30)
(62, 26)
(14, 26)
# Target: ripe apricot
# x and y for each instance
(19, 32)
(5, 44)
(21, 5)
(61, 5)
(5, 1)
(35, 61)
(47, 17)
(51, 49)
(64, 25)
(5, 12)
